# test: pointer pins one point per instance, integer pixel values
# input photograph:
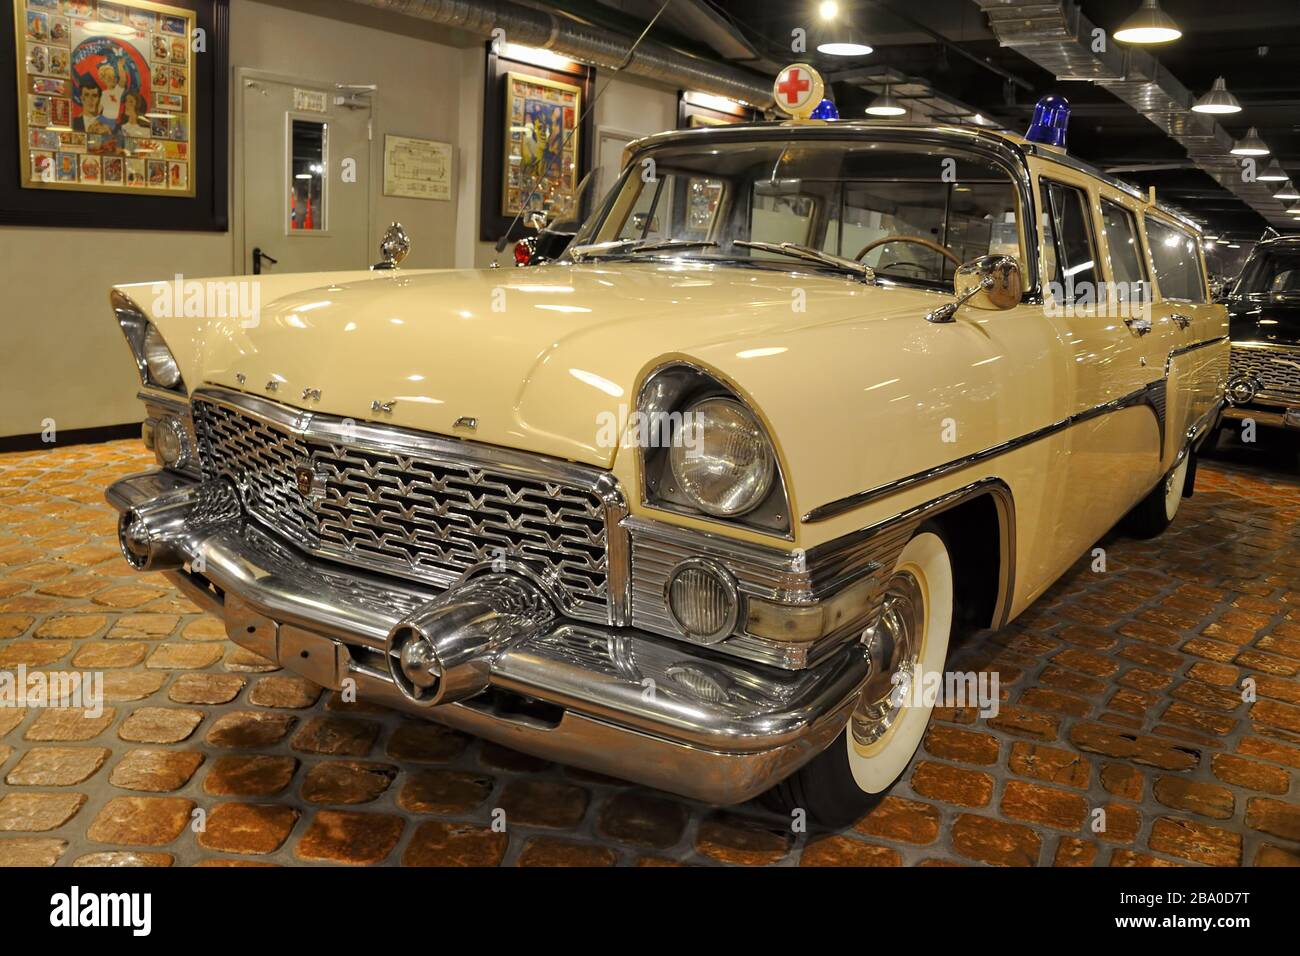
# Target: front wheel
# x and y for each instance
(1156, 512)
(884, 731)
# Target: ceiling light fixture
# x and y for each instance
(1250, 145)
(844, 48)
(1273, 173)
(828, 10)
(1149, 24)
(886, 105)
(1287, 192)
(1218, 100)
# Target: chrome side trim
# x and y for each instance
(1184, 349)
(1152, 395)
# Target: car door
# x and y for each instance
(1113, 446)
(1185, 318)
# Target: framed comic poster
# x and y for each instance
(540, 166)
(536, 141)
(115, 104)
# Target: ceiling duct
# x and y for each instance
(587, 43)
(1058, 37)
(924, 103)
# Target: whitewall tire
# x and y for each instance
(884, 732)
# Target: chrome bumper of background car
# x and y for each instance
(612, 700)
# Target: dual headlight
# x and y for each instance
(157, 364)
(717, 461)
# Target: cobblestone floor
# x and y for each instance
(1122, 693)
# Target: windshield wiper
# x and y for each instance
(616, 246)
(809, 254)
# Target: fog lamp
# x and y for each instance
(704, 600)
(172, 443)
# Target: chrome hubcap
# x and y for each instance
(894, 649)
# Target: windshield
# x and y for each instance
(911, 213)
(1275, 272)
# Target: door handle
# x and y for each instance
(258, 257)
(1181, 321)
(1138, 326)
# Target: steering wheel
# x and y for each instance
(919, 240)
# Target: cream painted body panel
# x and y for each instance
(857, 391)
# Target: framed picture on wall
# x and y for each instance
(537, 141)
(541, 137)
(120, 112)
(104, 91)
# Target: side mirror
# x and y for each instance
(989, 282)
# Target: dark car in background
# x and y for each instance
(1264, 316)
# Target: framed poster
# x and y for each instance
(537, 142)
(108, 101)
(417, 168)
(540, 166)
(120, 113)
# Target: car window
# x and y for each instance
(970, 219)
(1125, 250)
(1178, 267)
(1070, 254)
(832, 195)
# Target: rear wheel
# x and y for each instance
(1157, 510)
(843, 782)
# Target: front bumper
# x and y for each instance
(613, 700)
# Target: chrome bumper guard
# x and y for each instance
(490, 656)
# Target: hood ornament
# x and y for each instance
(394, 247)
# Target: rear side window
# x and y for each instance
(1178, 267)
(1122, 238)
(1070, 253)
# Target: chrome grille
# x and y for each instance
(1277, 368)
(416, 506)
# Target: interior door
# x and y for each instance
(306, 181)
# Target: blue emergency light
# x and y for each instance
(825, 110)
(1051, 121)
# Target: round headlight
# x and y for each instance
(704, 600)
(722, 461)
(162, 366)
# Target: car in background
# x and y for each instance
(1264, 324)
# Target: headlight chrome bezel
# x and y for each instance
(666, 393)
(136, 327)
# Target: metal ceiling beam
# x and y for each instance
(1058, 37)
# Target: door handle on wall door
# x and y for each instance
(1181, 321)
(258, 257)
(1138, 326)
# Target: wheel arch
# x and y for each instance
(981, 531)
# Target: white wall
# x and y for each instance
(64, 358)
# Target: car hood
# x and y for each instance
(1265, 319)
(543, 359)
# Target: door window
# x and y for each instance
(1069, 252)
(308, 160)
(1122, 238)
(1178, 266)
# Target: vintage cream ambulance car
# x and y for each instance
(698, 504)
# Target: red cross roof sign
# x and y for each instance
(797, 90)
